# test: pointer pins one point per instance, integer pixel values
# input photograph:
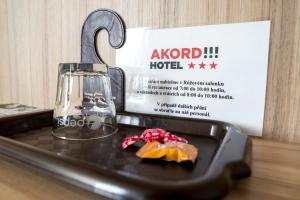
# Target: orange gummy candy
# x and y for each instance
(170, 151)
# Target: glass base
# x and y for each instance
(84, 133)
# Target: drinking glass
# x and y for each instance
(84, 108)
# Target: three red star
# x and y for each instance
(213, 65)
(202, 65)
(191, 65)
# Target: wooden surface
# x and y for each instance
(36, 35)
(276, 175)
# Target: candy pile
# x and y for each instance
(151, 135)
(161, 144)
(170, 151)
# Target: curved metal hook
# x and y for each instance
(96, 21)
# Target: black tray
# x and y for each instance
(101, 167)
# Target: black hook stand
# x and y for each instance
(95, 22)
(113, 24)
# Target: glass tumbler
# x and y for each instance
(84, 108)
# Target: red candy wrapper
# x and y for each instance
(153, 135)
(129, 141)
(174, 138)
(156, 134)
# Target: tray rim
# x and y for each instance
(223, 173)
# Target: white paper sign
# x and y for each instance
(209, 72)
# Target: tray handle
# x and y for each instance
(234, 155)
